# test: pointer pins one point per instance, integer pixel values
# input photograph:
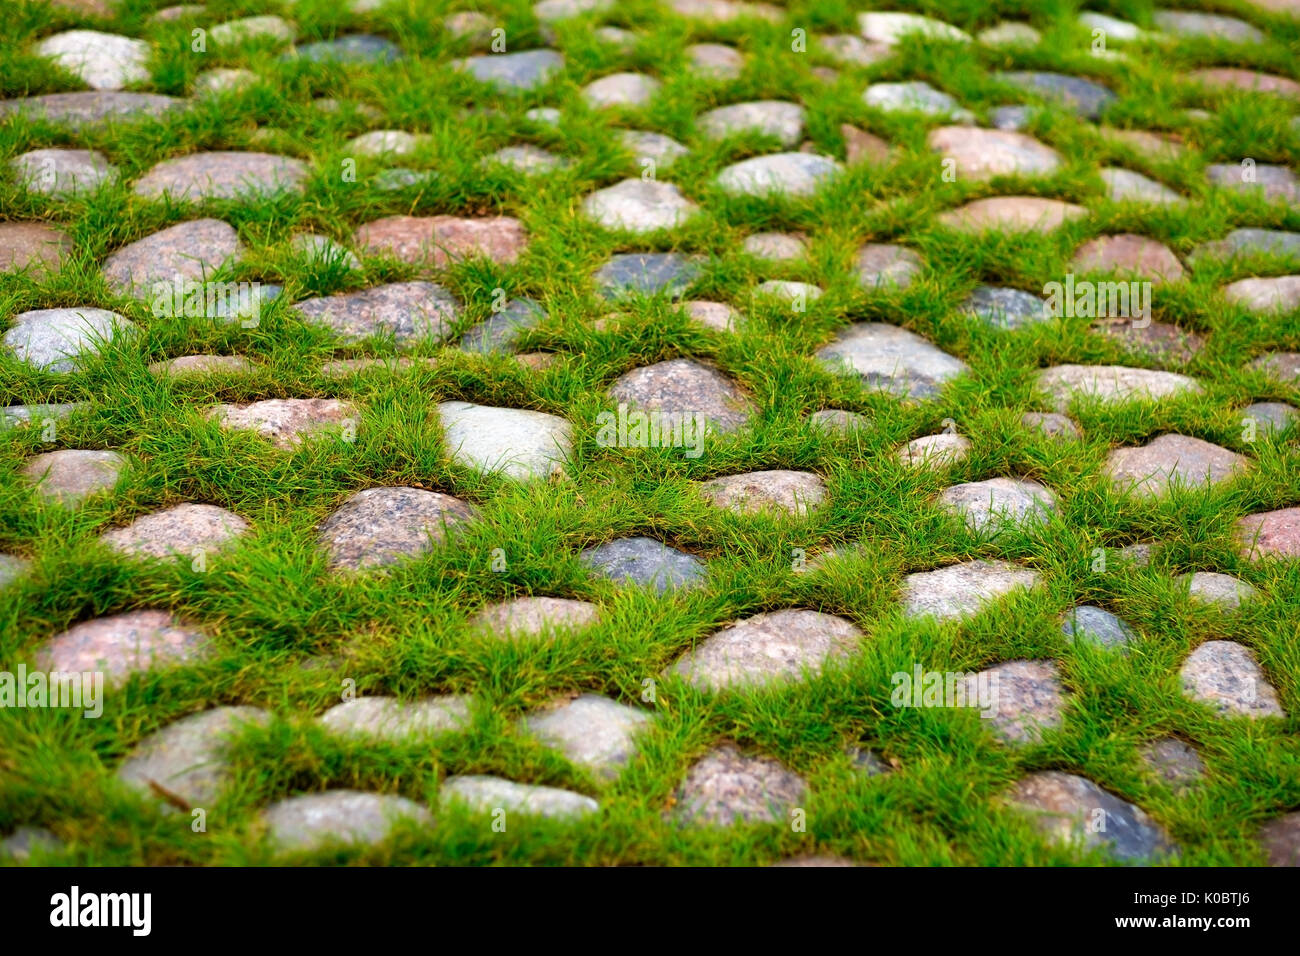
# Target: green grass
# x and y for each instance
(272, 605)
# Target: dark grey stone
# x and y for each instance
(514, 71)
(1093, 625)
(1082, 97)
(498, 333)
(647, 273)
(1072, 810)
(646, 562)
(355, 48)
(1005, 308)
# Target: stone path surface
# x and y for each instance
(768, 648)
(576, 417)
(378, 527)
(185, 760)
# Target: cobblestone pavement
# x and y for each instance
(652, 432)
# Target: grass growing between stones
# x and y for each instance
(287, 630)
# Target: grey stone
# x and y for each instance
(1111, 384)
(197, 366)
(1283, 366)
(1280, 840)
(777, 119)
(184, 762)
(408, 311)
(839, 420)
(522, 445)
(1112, 27)
(353, 48)
(388, 142)
(285, 422)
(1013, 119)
(1272, 294)
(212, 82)
(1026, 699)
(58, 340)
(645, 562)
(1160, 340)
(1226, 676)
(715, 61)
(769, 648)
(779, 174)
(725, 787)
(1172, 460)
(398, 179)
(793, 492)
(714, 315)
(1274, 183)
(86, 110)
(1129, 254)
(592, 731)
(915, 96)
(1194, 24)
(1222, 590)
(32, 247)
(1003, 308)
(1274, 417)
(63, 172)
(12, 568)
(621, 89)
(849, 50)
(934, 451)
(71, 475)
(192, 250)
(883, 265)
(1091, 625)
(663, 150)
(1009, 33)
(890, 358)
(639, 206)
(1174, 761)
(1250, 242)
(315, 821)
(514, 71)
(481, 794)
(890, 28)
(647, 273)
(103, 61)
(178, 532)
(233, 32)
(222, 175)
(991, 505)
(24, 841)
(775, 246)
(1124, 185)
(961, 590)
(789, 292)
(379, 527)
(685, 387)
(18, 416)
(1066, 807)
(1011, 214)
(1082, 97)
(983, 154)
(394, 719)
(527, 159)
(122, 645)
(535, 617)
(498, 333)
(1052, 425)
(867, 762)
